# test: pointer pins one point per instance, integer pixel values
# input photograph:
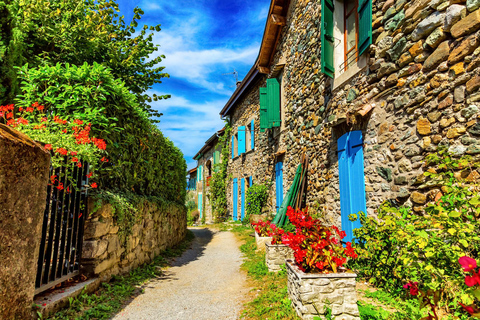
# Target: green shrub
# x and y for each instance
(257, 196)
(403, 245)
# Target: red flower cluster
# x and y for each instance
(316, 247)
(412, 286)
(100, 143)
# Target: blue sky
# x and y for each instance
(201, 41)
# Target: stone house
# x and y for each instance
(367, 89)
(207, 159)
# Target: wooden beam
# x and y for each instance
(264, 70)
(278, 20)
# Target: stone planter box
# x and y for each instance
(315, 290)
(275, 256)
(261, 242)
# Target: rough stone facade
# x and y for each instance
(107, 252)
(417, 91)
(275, 256)
(203, 186)
(24, 167)
(310, 293)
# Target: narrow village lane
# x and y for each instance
(204, 283)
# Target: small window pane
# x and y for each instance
(351, 32)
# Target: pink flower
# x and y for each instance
(468, 264)
(472, 280)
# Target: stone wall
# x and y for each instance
(202, 185)
(109, 251)
(275, 256)
(312, 292)
(418, 91)
(24, 167)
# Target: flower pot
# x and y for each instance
(275, 256)
(261, 242)
(310, 292)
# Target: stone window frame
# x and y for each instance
(342, 75)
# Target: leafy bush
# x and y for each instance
(257, 196)
(404, 246)
(142, 160)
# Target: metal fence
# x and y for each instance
(63, 224)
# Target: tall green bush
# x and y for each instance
(218, 183)
(142, 160)
(257, 196)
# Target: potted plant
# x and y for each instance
(316, 275)
(263, 230)
(276, 253)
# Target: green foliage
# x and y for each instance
(218, 183)
(257, 196)
(77, 32)
(111, 296)
(142, 160)
(402, 245)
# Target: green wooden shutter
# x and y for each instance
(199, 173)
(327, 40)
(216, 160)
(364, 25)
(263, 109)
(273, 102)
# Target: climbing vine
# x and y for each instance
(218, 183)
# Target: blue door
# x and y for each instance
(243, 199)
(279, 184)
(235, 199)
(352, 180)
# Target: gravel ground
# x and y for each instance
(204, 283)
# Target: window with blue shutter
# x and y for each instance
(241, 140)
(235, 200)
(200, 204)
(252, 134)
(242, 199)
(199, 173)
(233, 146)
(278, 184)
(352, 180)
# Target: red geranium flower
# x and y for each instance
(93, 185)
(89, 175)
(468, 264)
(48, 146)
(74, 159)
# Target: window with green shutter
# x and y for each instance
(273, 102)
(216, 160)
(327, 39)
(263, 109)
(364, 25)
(346, 33)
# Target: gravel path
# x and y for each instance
(204, 283)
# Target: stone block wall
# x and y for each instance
(275, 256)
(312, 292)
(109, 251)
(24, 167)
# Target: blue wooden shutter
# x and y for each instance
(364, 25)
(263, 109)
(251, 181)
(241, 140)
(326, 38)
(352, 180)
(200, 205)
(243, 199)
(235, 199)
(252, 133)
(199, 173)
(273, 102)
(233, 146)
(279, 184)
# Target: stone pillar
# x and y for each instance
(24, 167)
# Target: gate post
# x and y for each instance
(24, 169)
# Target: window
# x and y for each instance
(250, 136)
(216, 160)
(352, 180)
(209, 168)
(199, 173)
(270, 116)
(346, 34)
(241, 143)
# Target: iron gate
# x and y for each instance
(63, 224)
